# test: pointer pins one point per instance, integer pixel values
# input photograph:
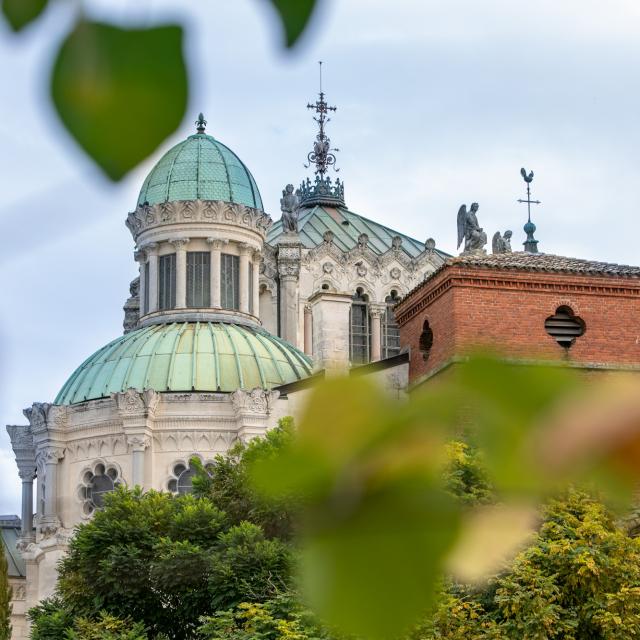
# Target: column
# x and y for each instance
(256, 283)
(245, 249)
(180, 245)
(138, 444)
(27, 474)
(376, 312)
(331, 331)
(50, 522)
(308, 330)
(152, 257)
(216, 247)
(289, 257)
(141, 258)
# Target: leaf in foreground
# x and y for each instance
(19, 13)
(120, 92)
(294, 15)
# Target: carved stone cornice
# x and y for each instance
(257, 401)
(146, 217)
(150, 249)
(133, 403)
(50, 455)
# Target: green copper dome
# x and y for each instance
(200, 168)
(187, 356)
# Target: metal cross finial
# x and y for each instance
(322, 155)
(201, 123)
(530, 244)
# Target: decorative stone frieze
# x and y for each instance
(256, 401)
(147, 217)
(136, 403)
(138, 442)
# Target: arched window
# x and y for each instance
(426, 340)
(96, 482)
(390, 329)
(182, 482)
(360, 334)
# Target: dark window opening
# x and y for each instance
(564, 327)
(426, 340)
(230, 281)
(360, 334)
(390, 329)
(167, 282)
(198, 279)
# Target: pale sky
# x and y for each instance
(439, 103)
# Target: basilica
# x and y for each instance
(231, 319)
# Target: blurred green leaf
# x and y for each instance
(376, 522)
(120, 92)
(19, 13)
(294, 15)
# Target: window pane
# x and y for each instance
(360, 335)
(390, 329)
(145, 302)
(230, 281)
(167, 282)
(198, 279)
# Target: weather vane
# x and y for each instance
(322, 155)
(530, 244)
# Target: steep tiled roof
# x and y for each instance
(521, 261)
(9, 533)
(538, 262)
(346, 227)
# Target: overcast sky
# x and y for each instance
(439, 103)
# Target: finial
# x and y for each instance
(530, 244)
(322, 155)
(201, 123)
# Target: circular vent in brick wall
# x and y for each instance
(564, 326)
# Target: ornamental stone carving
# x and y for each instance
(257, 401)
(197, 211)
(132, 307)
(50, 455)
(328, 236)
(217, 243)
(138, 442)
(395, 273)
(179, 243)
(132, 402)
(327, 268)
(37, 416)
(396, 243)
(363, 241)
(361, 270)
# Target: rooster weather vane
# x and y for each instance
(322, 155)
(530, 244)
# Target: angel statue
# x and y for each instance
(289, 204)
(469, 230)
(502, 243)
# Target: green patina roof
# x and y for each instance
(200, 168)
(187, 356)
(346, 226)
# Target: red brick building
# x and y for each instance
(528, 306)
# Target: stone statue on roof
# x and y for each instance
(502, 243)
(289, 205)
(469, 230)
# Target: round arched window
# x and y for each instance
(96, 483)
(182, 481)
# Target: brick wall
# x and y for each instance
(471, 307)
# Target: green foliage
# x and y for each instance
(50, 619)
(106, 627)
(20, 13)
(578, 580)
(164, 561)
(227, 484)
(5, 598)
(120, 92)
(464, 475)
(282, 618)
